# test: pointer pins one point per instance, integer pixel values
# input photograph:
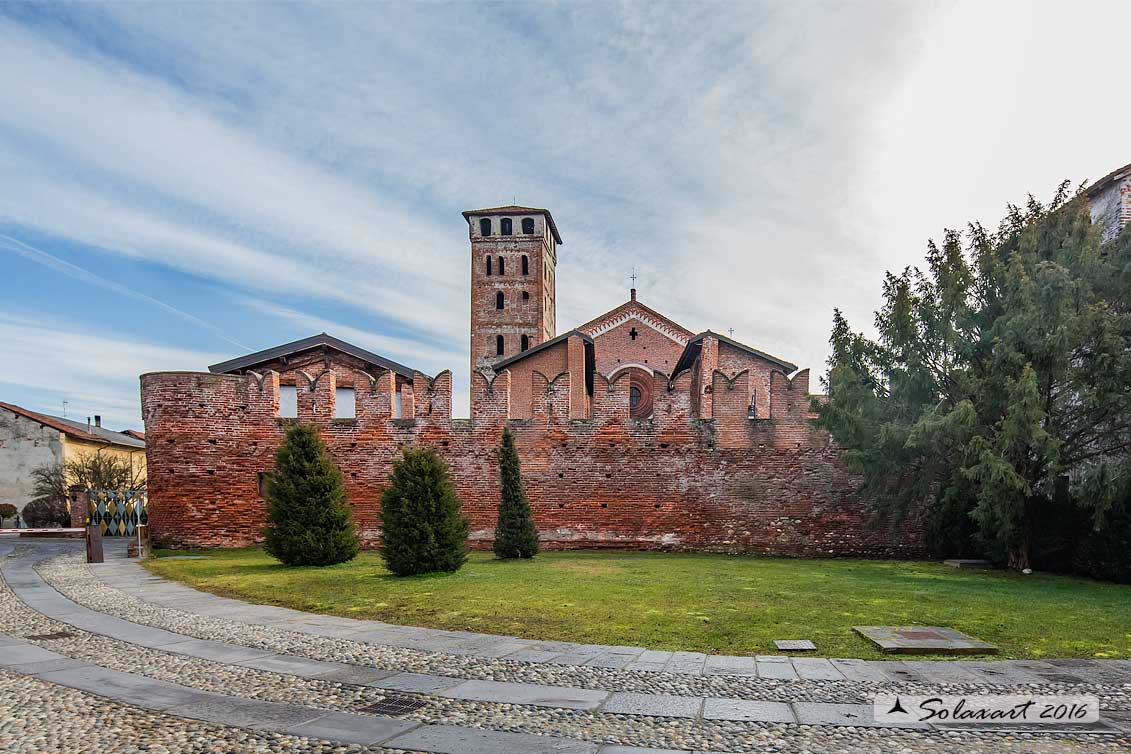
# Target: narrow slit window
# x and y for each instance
(499, 345)
(288, 402)
(525, 265)
(489, 266)
(528, 225)
(502, 267)
(484, 226)
(525, 342)
(499, 300)
(505, 226)
(526, 295)
(345, 403)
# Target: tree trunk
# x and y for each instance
(1018, 553)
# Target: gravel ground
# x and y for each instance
(37, 717)
(41, 718)
(69, 575)
(19, 620)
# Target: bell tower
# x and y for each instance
(513, 266)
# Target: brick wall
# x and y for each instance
(728, 483)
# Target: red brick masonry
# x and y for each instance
(699, 475)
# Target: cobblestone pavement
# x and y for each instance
(211, 671)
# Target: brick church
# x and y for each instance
(632, 430)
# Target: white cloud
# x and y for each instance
(95, 372)
(758, 163)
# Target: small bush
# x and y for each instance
(515, 533)
(46, 512)
(7, 510)
(308, 517)
(421, 525)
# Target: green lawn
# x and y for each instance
(707, 603)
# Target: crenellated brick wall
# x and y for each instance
(595, 478)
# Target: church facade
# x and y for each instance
(633, 431)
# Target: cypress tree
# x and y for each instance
(515, 533)
(422, 528)
(308, 517)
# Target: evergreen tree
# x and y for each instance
(421, 525)
(308, 517)
(998, 373)
(515, 533)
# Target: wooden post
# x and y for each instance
(94, 544)
(145, 546)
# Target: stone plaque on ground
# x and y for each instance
(795, 645)
(924, 640)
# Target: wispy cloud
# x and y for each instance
(758, 163)
(49, 361)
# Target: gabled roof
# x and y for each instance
(1108, 179)
(691, 352)
(512, 209)
(498, 366)
(616, 316)
(322, 340)
(78, 430)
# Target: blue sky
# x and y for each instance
(187, 182)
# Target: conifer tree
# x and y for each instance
(515, 533)
(998, 379)
(421, 525)
(309, 521)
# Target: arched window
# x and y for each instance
(634, 396)
(528, 225)
(526, 295)
(502, 268)
(484, 226)
(505, 226)
(499, 300)
(525, 265)
(489, 265)
(525, 342)
(499, 345)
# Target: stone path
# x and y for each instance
(298, 681)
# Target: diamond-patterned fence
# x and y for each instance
(118, 512)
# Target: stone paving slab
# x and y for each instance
(137, 690)
(357, 675)
(291, 665)
(246, 713)
(748, 710)
(688, 663)
(48, 666)
(449, 739)
(22, 654)
(354, 729)
(942, 672)
(823, 713)
(922, 640)
(655, 705)
(730, 665)
(614, 749)
(816, 668)
(213, 650)
(527, 693)
(418, 682)
(781, 670)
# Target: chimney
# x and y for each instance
(88, 424)
(97, 420)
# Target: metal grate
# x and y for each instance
(394, 705)
(50, 637)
